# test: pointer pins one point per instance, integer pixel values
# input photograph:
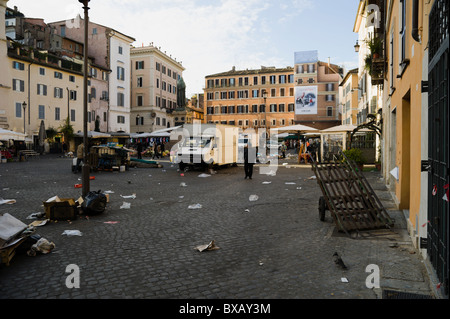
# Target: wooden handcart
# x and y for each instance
(349, 197)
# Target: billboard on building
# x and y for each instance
(305, 100)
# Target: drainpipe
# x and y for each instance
(415, 21)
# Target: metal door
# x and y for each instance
(438, 150)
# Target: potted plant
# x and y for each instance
(375, 46)
(355, 154)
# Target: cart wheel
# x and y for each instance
(322, 208)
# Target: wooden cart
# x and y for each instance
(349, 197)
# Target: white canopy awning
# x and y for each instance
(6, 135)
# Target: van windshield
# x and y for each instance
(196, 142)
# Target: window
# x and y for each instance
(73, 95)
(402, 28)
(58, 93)
(120, 99)
(158, 66)
(63, 31)
(120, 73)
(41, 71)
(57, 114)
(18, 66)
(330, 87)
(254, 108)
(41, 112)
(255, 80)
(93, 72)
(120, 119)
(329, 97)
(139, 120)
(140, 100)
(281, 108)
(139, 65)
(282, 90)
(255, 93)
(263, 80)
(71, 78)
(18, 109)
(232, 95)
(93, 93)
(58, 75)
(329, 111)
(282, 79)
(291, 107)
(120, 50)
(291, 78)
(273, 107)
(291, 91)
(18, 85)
(42, 89)
(273, 92)
(273, 79)
(105, 76)
(94, 31)
(139, 82)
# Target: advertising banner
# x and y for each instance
(305, 100)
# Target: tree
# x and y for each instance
(67, 130)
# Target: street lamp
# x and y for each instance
(86, 168)
(24, 105)
(357, 46)
(138, 119)
(264, 94)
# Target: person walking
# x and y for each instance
(283, 149)
(80, 156)
(139, 150)
(249, 160)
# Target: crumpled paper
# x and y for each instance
(210, 246)
(43, 246)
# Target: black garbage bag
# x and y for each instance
(94, 203)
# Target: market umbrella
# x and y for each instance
(343, 128)
(299, 128)
(94, 134)
(42, 134)
(6, 135)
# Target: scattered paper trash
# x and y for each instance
(343, 279)
(7, 201)
(108, 192)
(111, 222)
(181, 197)
(210, 246)
(266, 183)
(35, 215)
(195, 206)
(290, 183)
(129, 196)
(253, 198)
(299, 188)
(183, 184)
(204, 175)
(39, 223)
(42, 245)
(72, 233)
(313, 177)
(247, 210)
(125, 205)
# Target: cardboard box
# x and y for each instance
(61, 208)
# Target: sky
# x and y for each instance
(212, 36)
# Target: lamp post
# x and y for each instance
(138, 120)
(24, 105)
(264, 94)
(86, 167)
(357, 46)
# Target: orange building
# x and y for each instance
(262, 98)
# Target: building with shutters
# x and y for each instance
(154, 79)
(261, 98)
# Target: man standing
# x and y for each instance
(80, 156)
(249, 160)
(139, 150)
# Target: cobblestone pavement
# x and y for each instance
(275, 247)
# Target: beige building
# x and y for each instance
(154, 78)
(262, 98)
(109, 51)
(35, 87)
(348, 99)
(322, 79)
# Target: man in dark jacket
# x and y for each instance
(249, 160)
